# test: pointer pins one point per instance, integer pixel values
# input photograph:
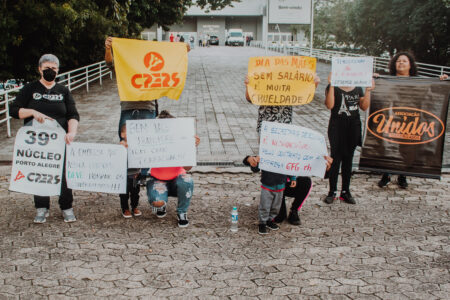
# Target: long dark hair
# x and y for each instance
(412, 63)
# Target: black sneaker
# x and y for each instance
(330, 198)
(183, 220)
(401, 181)
(272, 226)
(347, 197)
(161, 212)
(262, 229)
(385, 180)
(293, 218)
(281, 216)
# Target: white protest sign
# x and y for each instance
(351, 71)
(96, 167)
(161, 143)
(38, 159)
(292, 150)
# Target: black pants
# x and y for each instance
(132, 193)
(299, 193)
(346, 159)
(65, 199)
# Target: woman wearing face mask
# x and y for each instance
(46, 99)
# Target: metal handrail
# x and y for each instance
(380, 63)
(72, 80)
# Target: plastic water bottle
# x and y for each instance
(234, 219)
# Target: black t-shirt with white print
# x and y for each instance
(57, 102)
(346, 104)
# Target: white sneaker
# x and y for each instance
(41, 215)
(68, 215)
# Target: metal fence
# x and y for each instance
(379, 63)
(72, 80)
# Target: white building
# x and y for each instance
(248, 15)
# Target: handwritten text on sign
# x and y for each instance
(281, 80)
(161, 143)
(351, 71)
(38, 159)
(292, 150)
(96, 167)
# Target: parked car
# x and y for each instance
(235, 37)
(214, 40)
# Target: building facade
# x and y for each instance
(247, 15)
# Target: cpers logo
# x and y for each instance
(405, 125)
(154, 62)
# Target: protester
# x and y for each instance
(344, 133)
(45, 99)
(283, 114)
(171, 181)
(402, 64)
(280, 114)
(192, 42)
(133, 187)
(272, 187)
(299, 192)
(147, 109)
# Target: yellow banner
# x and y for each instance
(148, 70)
(281, 80)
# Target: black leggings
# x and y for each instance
(65, 199)
(299, 193)
(132, 194)
(346, 159)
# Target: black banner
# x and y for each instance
(405, 131)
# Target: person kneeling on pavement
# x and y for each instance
(173, 181)
(272, 187)
(299, 192)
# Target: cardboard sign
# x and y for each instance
(281, 80)
(96, 167)
(292, 150)
(161, 143)
(148, 70)
(352, 71)
(38, 159)
(406, 126)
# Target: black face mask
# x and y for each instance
(49, 75)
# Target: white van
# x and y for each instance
(235, 37)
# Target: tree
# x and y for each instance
(74, 30)
(330, 23)
(421, 27)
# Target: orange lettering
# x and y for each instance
(133, 80)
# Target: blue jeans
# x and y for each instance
(135, 114)
(182, 187)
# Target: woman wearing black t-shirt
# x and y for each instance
(344, 133)
(46, 99)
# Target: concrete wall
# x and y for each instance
(212, 26)
(243, 8)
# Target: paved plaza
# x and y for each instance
(393, 244)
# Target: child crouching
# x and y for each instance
(272, 187)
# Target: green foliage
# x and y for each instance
(75, 30)
(379, 26)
